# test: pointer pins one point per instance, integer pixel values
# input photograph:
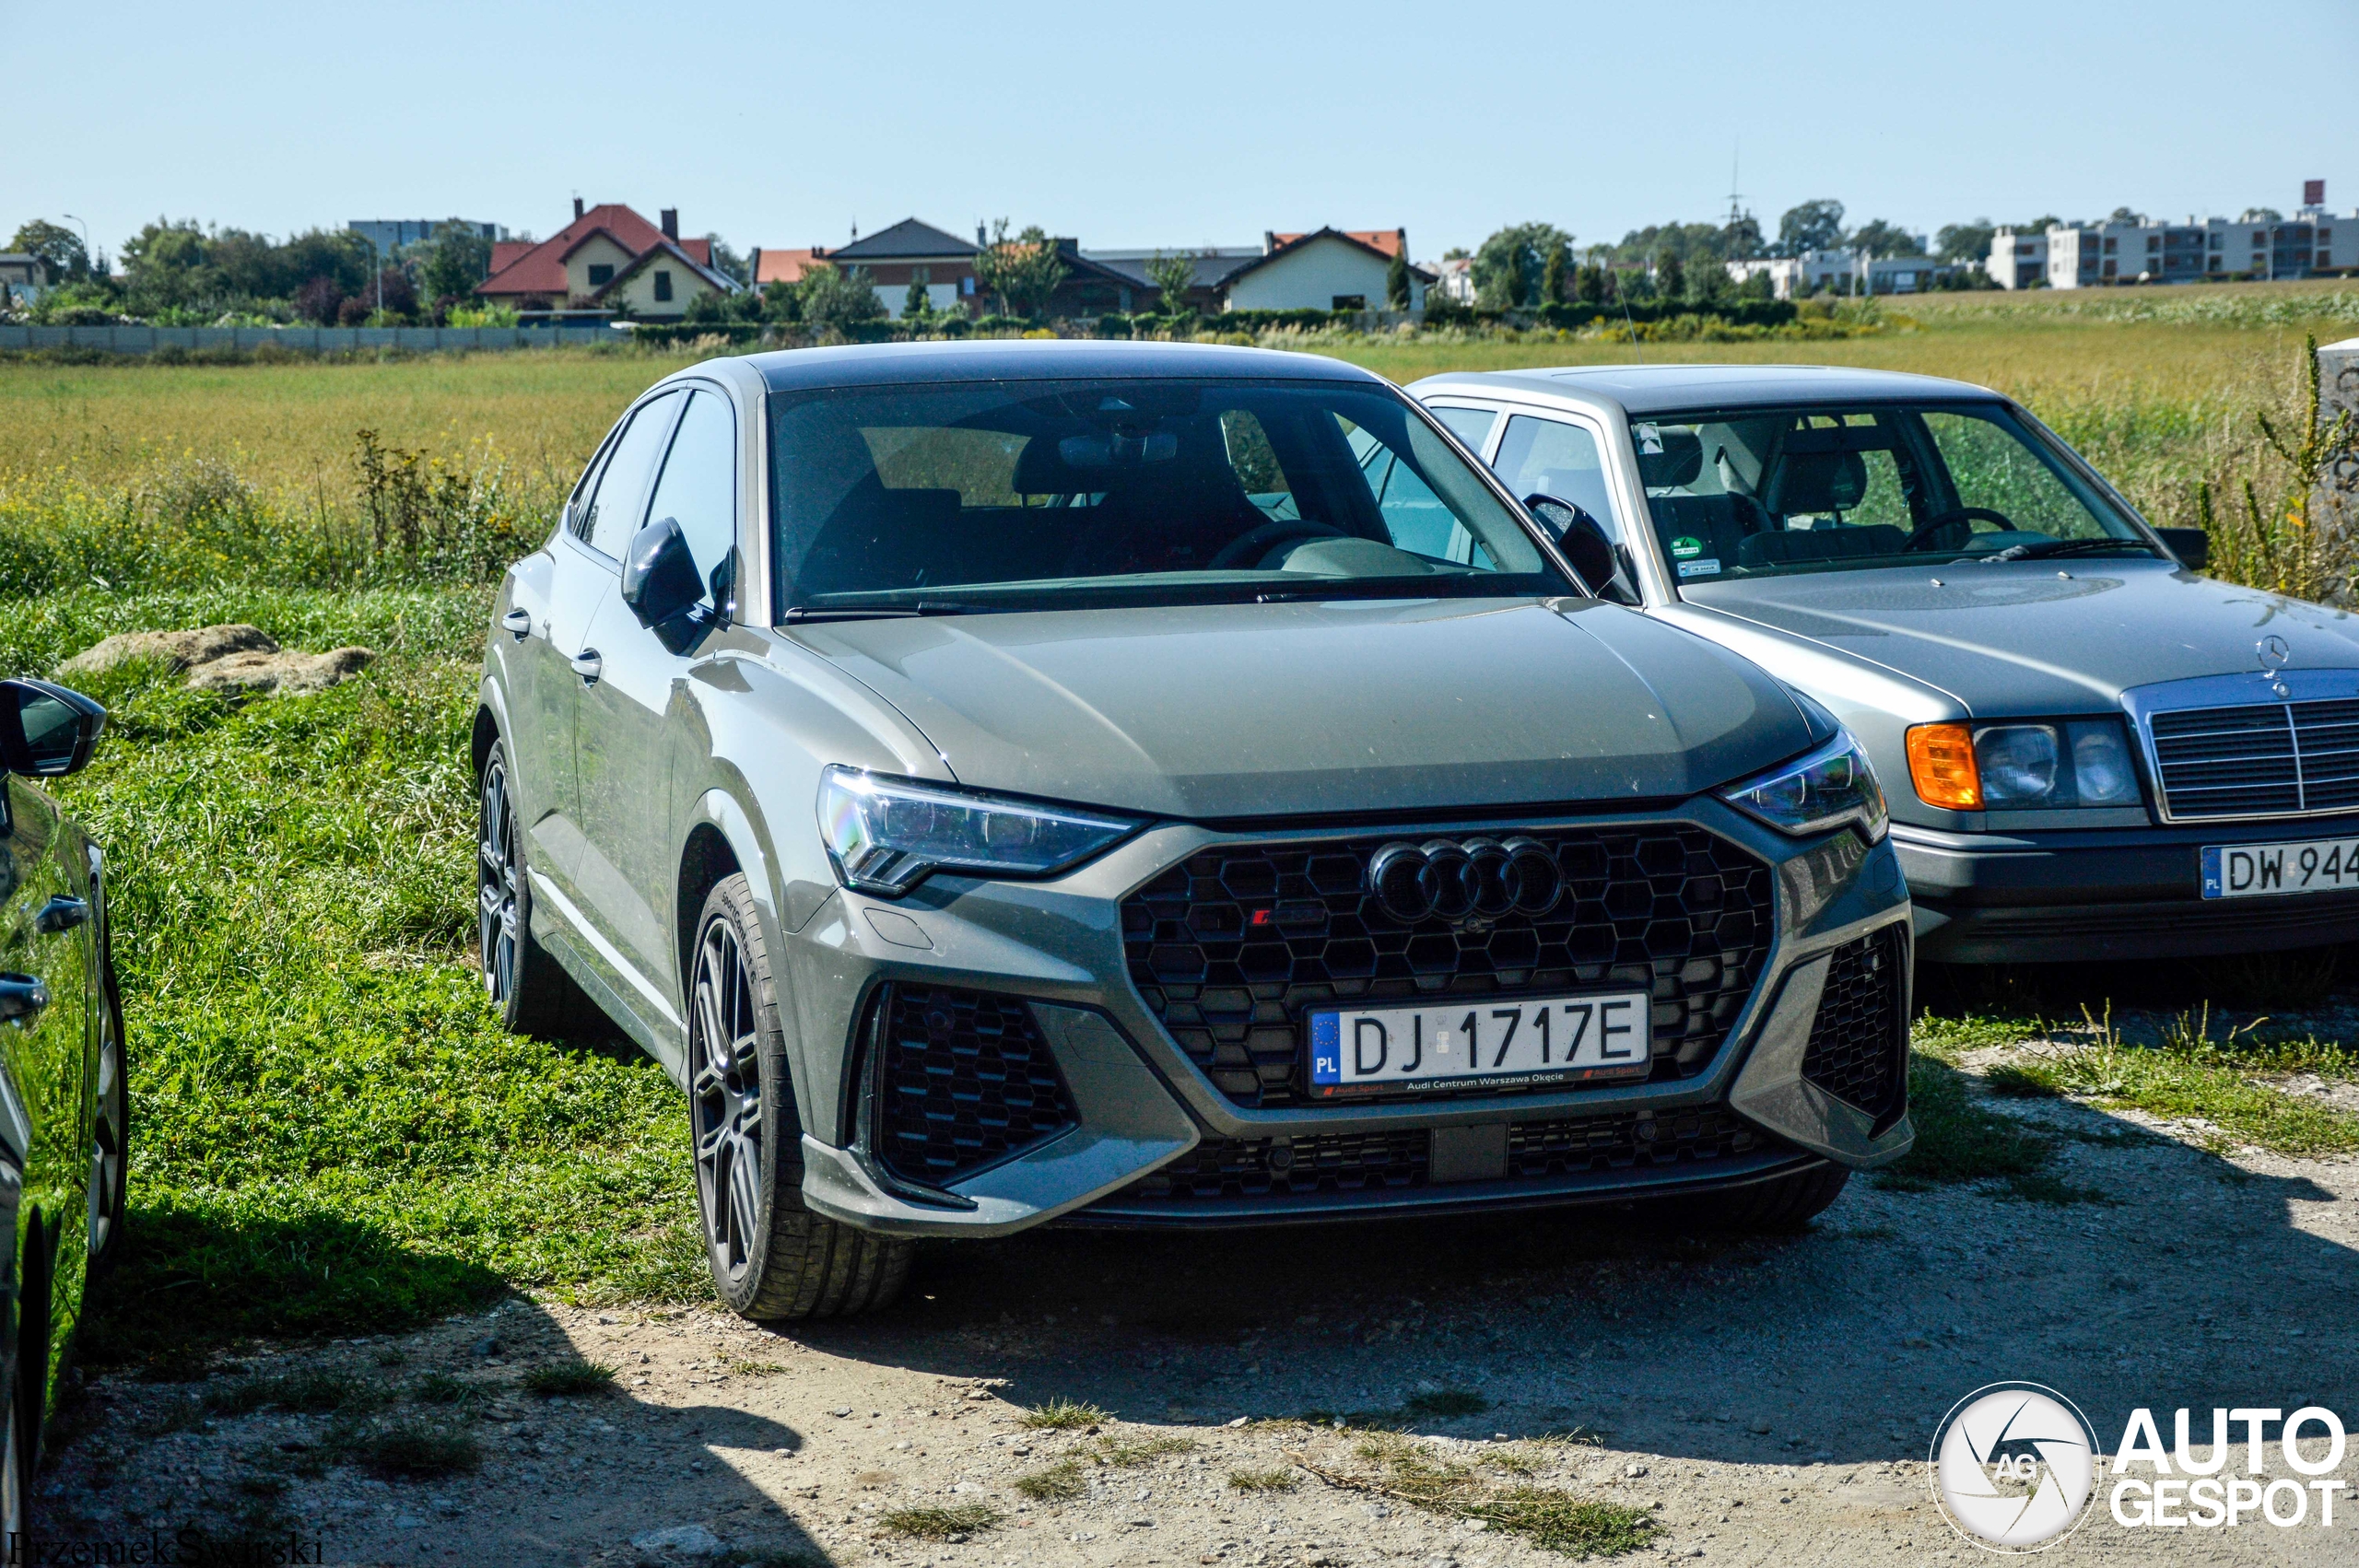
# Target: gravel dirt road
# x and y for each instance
(1766, 1401)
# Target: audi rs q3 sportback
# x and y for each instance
(1156, 784)
(65, 1111)
(2093, 750)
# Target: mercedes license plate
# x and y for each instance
(2251, 871)
(1569, 1039)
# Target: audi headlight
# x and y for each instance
(1826, 788)
(888, 834)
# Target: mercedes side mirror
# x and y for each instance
(2191, 545)
(46, 730)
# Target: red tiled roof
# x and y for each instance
(540, 269)
(1387, 240)
(784, 266)
(504, 252)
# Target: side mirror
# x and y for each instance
(659, 580)
(1585, 545)
(2191, 545)
(46, 730)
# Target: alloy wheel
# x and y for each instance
(726, 1097)
(496, 882)
(109, 1139)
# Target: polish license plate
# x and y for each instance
(2253, 871)
(1570, 1039)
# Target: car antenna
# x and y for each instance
(1623, 299)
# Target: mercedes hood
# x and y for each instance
(1246, 710)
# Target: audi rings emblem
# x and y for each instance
(1479, 879)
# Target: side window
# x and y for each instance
(621, 497)
(1414, 515)
(698, 488)
(1471, 425)
(1549, 457)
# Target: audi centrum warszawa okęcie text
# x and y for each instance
(1156, 784)
(2093, 750)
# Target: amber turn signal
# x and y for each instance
(1941, 764)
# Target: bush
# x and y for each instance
(1112, 325)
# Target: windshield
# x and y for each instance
(1821, 488)
(1051, 494)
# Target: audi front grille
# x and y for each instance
(1231, 948)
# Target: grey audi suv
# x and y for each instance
(1156, 784)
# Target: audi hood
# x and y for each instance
(2033, 638)
(1231, 711)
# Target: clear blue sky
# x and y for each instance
(1165, 124)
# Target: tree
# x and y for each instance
(1397, 292)
(1708, 283)
(319, 301)
(59, 249)
(1173, 277)
(732, 264)
(1964, 242)
(1757, 287)
(1588, 284)
(1670, 278)
(917, 303)
(1023, 272)
(1740, 240)
(1815, 225)
(1881, 239)
(1554, 289)
(835, 297)
(1509, 268)
(456, 259)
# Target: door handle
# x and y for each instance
(61, 914)
(588, 665)
(21, 999)
(519, 621)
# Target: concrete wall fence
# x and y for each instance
(307, 340)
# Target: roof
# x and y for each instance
(679, 253)
(1385, 240)
(1287, 244)
(907, 240)
(784, 266)
(521, 267)
(891, 364)
(1214, 265)
(1660, 388)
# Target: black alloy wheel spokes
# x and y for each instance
(496, 884)
(726, 1091)
(107, 1140)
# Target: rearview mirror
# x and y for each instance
(46, 730)
(660, 578)
(2191, 545)
(1585, 545)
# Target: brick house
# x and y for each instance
(609, 261)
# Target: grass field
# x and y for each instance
(331, 1132)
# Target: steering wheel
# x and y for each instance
(1922, 535)
(1256, 545)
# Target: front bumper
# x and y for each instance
(1154, 1140)
(2057, 895)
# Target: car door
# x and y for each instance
(48, 1031)
(564, 659)
(624, 742)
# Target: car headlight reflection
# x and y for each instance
(1829, 788)
(888, 834)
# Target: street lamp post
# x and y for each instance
(89, 257)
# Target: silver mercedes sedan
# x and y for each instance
(2093, 750)
(1156, 784)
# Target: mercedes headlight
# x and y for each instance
(1829, 788)
(888, 834)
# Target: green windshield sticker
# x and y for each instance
(1687, 548)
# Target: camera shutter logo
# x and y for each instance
(2014, 1466)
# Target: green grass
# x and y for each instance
(1958, 1140)
(1064, 1415)
(409, 1450)
(441, 1388)
(1274, 1480)
(940, 1523)
(1547, 1516)
(1059, 1483)
(2189, 1077)
(569, 1377)
(331, 1131)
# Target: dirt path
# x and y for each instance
(1770, 1401)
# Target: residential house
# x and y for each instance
(1213, 265)
(1794, 277)
(913, 251)
(609, 261)
(1328, 269)
(1453, 280)
(23, 278)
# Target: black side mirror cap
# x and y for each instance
(47, 730)
(1585, 545)
(2191, 545)
(659, 580)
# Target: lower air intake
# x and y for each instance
(965, 1080)
(1859, 1043)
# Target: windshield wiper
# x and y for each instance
(2041, 551)
(873, 611)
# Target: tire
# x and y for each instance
(1782, 1204)
(110, 1130)
(29, 1368)
(531, 989)
(772, 1258)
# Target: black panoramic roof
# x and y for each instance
(1018, 359)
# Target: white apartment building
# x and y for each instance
(2092, 255)
(1793, 277)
